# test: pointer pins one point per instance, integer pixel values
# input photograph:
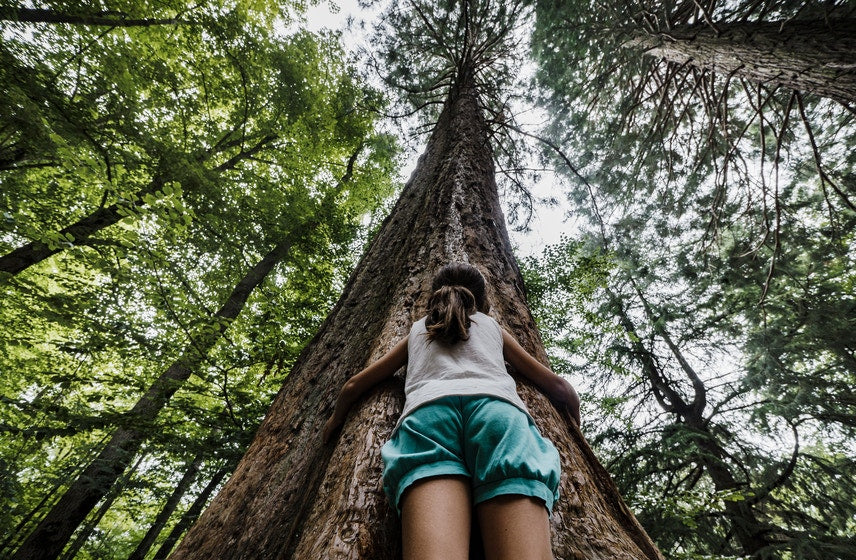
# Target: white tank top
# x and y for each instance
(469, 367)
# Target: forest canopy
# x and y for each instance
(185, 189)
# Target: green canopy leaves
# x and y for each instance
(145, 169)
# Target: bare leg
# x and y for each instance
(435, 519)
(515, 527)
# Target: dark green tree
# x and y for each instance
(704, 181)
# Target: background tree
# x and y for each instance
(209, 141)
(703, 182)
(695, 137)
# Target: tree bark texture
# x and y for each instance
(54, 531)
(291, 497)
(813, 56)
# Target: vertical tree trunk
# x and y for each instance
(816, 56)
(55, 530)
(167, 509)
(192, 513)
(291, 497)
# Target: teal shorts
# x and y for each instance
(489, 440)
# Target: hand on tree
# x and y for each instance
(571, 401)
(333, 423)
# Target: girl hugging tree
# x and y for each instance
(465, 437)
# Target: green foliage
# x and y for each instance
(423, 50)
(777, 415)
(726, 207)
(671, 142)
(213, 140)
(561, 284)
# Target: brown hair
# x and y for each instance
(458, 291)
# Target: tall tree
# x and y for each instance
(697, 381)
(641, 117)
(192, 513)
(86, 529)
(811, 56)
(290, 497)
(711, 183)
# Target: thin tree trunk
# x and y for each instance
(85, 531)
(815, 56)
(192, 513)
(18, 534)
(168, 509)
(35, 15)
(291, 497)
(52, 534)
(34, 252)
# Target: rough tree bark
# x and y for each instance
(291, 497)
(815, 56)
(54, 531)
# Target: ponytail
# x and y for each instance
(449, 310)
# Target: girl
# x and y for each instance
(465, 435)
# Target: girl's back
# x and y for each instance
(474, 366)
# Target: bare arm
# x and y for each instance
(555, 387)
(354, 387)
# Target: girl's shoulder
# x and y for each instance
(479, 316)
(418, 325)
(487, 323)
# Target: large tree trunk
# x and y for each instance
(815, 56)
(291, 497)
(53, 533)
